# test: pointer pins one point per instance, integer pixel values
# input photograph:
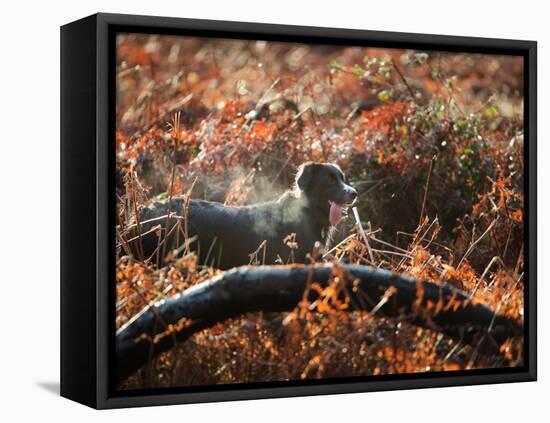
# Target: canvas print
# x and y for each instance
(291, 212)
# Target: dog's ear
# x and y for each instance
(305, 176)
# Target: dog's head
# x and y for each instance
(324, 185)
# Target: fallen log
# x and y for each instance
(280, 288)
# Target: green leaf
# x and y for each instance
(335, 65)
(384, 95)
(357, 70)
(491, 112)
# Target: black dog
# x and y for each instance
(225, 236)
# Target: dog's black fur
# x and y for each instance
(226, 236)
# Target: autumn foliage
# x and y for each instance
(432, 141)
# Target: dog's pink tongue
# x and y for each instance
(335, 214)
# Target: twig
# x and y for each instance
(138, 225)
(162, 117)
(493, 260)
(338, 245)
(411, 92)
(473, 244)
(363, 234)
(138, 236)
(210, 249)
(450, 92)
(387, 244)
(426, 190)
(153, 219)
(175, 131)
(299, 115)
(394, 253)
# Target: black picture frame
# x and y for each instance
(87, 208)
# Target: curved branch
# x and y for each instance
(280, 288)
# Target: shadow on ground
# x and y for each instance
(51, 387)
